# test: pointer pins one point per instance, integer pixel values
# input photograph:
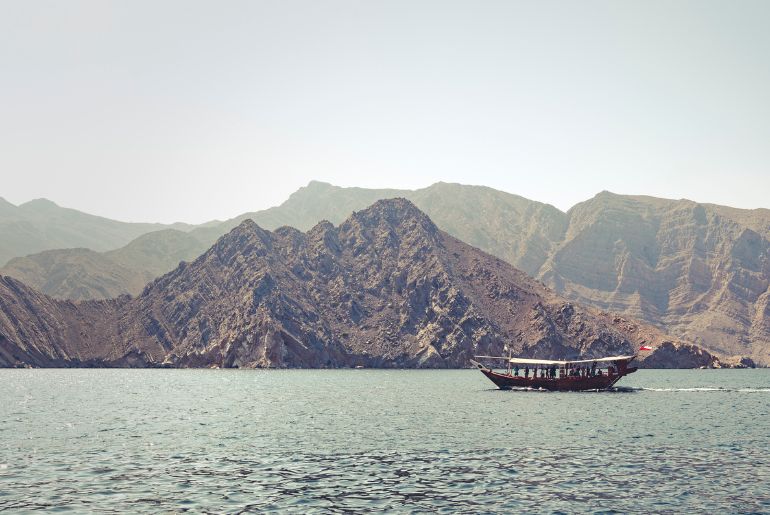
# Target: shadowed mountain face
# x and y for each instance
(385, 288)
(698, 271)
(41, 225)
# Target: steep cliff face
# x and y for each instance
(699, 271)
(385, 288)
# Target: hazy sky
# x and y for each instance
(184, 110)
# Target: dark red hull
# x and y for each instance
(563, 384)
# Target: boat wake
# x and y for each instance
(703, 389)
(631, 389)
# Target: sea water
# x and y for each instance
(396, 440)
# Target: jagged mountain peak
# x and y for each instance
(247, 227)
(383, 227)
(242, 238)
(321, 227)
(395, 212)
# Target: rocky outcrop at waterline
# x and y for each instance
(386, 288)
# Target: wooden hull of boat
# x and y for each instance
(563, 384)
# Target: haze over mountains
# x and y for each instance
(385, 288)
(40, 225)
(699, 271)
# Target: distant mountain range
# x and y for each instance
(81, 274)
(40, 225)
(699, 271)
(386, 288)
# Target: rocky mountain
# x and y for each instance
(40, 225)
(699, 271)
(385, 288)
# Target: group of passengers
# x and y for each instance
(583, 370)
(553, 372)
(545, 372)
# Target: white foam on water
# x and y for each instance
(699, 389)
(706, 389)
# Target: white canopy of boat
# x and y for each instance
(529, 361)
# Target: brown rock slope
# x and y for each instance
(39, 331)
(385, 288)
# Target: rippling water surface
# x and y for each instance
(350, 440)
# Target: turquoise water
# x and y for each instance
(357, 440)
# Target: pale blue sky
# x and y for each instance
(185, 110)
